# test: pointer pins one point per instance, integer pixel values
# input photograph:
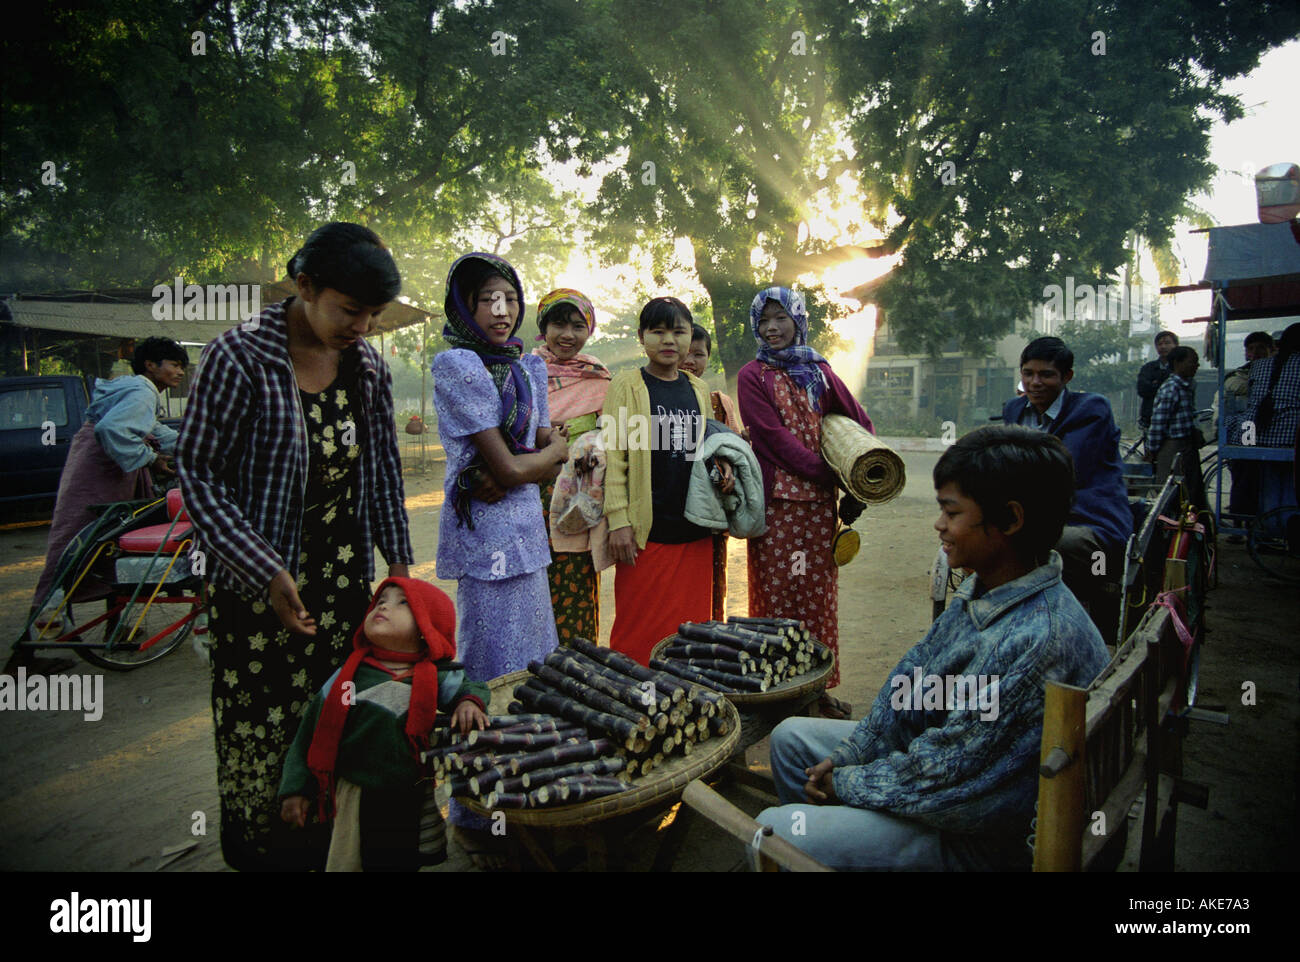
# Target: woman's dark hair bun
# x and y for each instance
(350, 258)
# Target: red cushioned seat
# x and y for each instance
(145, 540)
(175, 507)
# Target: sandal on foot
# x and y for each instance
(484, 850)
(831, 707)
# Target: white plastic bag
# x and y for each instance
(578, 502)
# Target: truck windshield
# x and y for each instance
(28, 408)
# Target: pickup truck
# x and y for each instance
(29, 468)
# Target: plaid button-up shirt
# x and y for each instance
(242, 458)
(1172, 417)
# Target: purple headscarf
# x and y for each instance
(798, 360)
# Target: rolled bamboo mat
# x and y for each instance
(871, 470)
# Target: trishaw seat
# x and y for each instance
(147, 540)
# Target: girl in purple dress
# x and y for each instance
(494, 423)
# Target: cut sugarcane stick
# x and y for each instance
(533, 728)
(533, 695)
(587, 695)
(720, 652)
(607, 680)
(682, 671)
(718, 680)
(496, 800)
(521, 741)
(563, 755)
(732, 637)
(596, 766)
(773, 622)
(463, 760)
(628, 666)
(647, 695)
(572, 791)
(481, 763)
(739, 668)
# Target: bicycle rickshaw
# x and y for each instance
(126, 591)
(1253, 271)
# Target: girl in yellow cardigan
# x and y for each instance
(652, 423)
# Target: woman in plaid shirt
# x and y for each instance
(289, 465)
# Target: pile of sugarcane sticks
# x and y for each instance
(741, 655)
(586, 722)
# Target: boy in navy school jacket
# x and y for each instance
(1100, 519)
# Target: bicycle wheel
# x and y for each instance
(159, 620)
(1274, 542)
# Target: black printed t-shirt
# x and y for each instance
(675, 432)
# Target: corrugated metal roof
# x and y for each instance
(136, 320)
(109, 320)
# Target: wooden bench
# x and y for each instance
(1109, 745)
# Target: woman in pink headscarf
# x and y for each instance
(576, 386)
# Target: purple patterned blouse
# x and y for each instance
(509, 537)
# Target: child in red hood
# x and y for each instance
(358, 746)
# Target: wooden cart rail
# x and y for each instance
(1104, 747)
(773, 851)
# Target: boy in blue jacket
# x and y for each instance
(942, 773)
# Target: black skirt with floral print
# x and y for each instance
(263, 675)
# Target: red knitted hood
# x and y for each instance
(435, 616)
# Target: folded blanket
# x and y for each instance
(743, 512)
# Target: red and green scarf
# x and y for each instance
(435, 617)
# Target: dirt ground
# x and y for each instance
(114, 794)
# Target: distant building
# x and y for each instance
(955, 386)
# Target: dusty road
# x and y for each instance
(114, 794)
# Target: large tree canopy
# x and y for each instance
(1001, 146)
(730, 137)
(209, 138)
(1008, 145)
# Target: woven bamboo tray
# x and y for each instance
(663, 785)
(791, 688)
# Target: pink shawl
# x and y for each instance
(574, 387)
